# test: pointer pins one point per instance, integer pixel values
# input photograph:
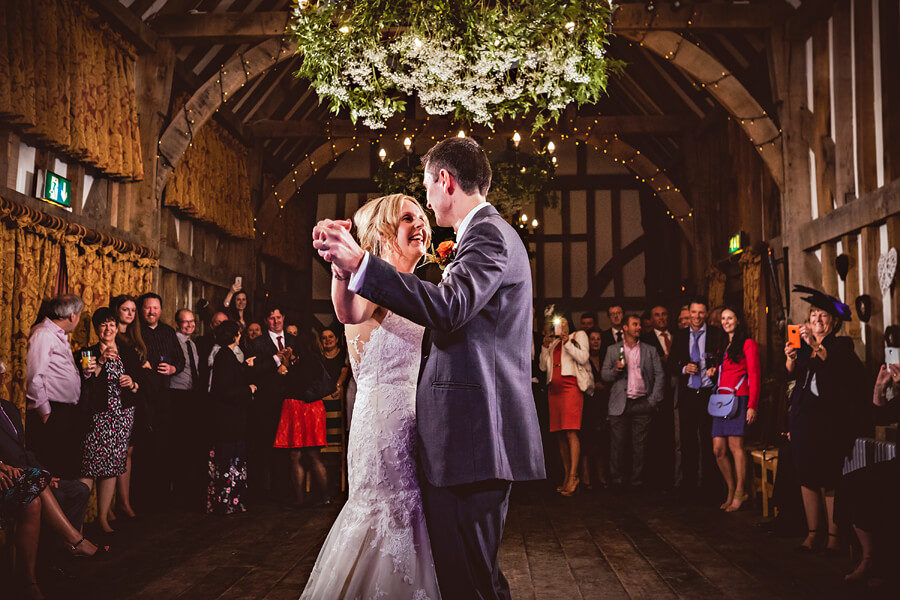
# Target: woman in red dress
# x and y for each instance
(740, 372)
(566, 360)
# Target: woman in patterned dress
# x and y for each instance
(230, 397)
(111, 383)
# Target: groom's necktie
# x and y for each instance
(695, 380)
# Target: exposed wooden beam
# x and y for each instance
(621, 124)
(222, 28)
(127, 23)
(235, 27)
(868, 210)
(700, 16)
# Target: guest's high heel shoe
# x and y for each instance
(808, 549)
(572, 486)
(737, 502)
(728, 500)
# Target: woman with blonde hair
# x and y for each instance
(379, 541)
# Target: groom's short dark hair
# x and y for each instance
(465, 160)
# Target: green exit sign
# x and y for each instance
(57, 190)
(737, 243)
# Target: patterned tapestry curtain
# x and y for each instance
(210, 183)
(751, 264)
(68, 80)
(716, 287)
(98, 267)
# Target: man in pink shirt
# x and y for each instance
(637, 388)
(53, 388)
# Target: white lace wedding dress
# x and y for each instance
(378, 547)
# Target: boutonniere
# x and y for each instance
(444, 255)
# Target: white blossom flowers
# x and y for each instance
(481, 61)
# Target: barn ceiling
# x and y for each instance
(206, 33)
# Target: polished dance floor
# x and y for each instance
(596, 545)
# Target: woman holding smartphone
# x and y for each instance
(825, 412)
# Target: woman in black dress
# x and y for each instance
(825, 410)
(230, 398)
(112, 377)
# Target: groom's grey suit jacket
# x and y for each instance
(475, 409)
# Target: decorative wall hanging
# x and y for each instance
(842, 264)
(864, 307)
(887, 269)
(479, 60)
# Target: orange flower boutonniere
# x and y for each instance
(444, 255)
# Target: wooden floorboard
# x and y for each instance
(597, 546)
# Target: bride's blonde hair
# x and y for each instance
(379, 219)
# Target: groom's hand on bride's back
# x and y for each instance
(334, 243)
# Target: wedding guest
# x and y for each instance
(715, 316)
(684, 317)
(254, 330)
(205, 345)
(614, 334)
(166, 359)
(274, 354)
(662, 453)
(291, 329)
(594, 429)
(740, 372)
(301, 428)
(867, 498)
(636, 379)
(824, 413)
(694, 348)
(52, 388)
(565, 359)
(231, 396)
(588, 322)
(125, 308)
(112, 378)
(237, 306)
(646, 323)
(188, 418)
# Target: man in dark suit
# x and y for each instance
(272, 353)
(478, 429)
(661, 440)
(614, 334)
(636, 390)
(692, 348)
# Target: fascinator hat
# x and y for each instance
(829, 304)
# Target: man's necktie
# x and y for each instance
(194, 377)
(668, 342)
(695, 357)
(280, 343)
(619, 336)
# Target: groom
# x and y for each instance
(478, 428)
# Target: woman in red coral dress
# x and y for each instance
(566, 359)
(740, 372)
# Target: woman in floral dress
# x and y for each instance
(230, 397)
(111, 377)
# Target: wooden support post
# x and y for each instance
(889, 17)
(871, 251)
(851, 285)
(865, 98)
(845, 179)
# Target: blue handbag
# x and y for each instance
(724, 406)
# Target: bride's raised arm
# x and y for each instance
(349, 308)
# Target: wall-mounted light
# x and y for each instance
(382, 154)
(516, 139)
(461, 134)
(407, 143)
(551, 146)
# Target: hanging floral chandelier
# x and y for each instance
(481, 61)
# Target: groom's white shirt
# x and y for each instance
(356, 280)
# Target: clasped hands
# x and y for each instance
(335, 244)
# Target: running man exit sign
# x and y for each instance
(57, 190)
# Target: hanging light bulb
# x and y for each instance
(461, 134)
(524, 218)
(551, 146)
(554, 160)
(382, 154)
(407, 143)
(516, 139)
(534, 223)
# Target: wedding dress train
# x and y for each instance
(378, 546)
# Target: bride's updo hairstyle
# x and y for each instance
(378, 220)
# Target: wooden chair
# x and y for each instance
(337, 443)
(767, 459)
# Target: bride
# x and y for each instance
(378, 547)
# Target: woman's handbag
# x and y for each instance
(724, 406)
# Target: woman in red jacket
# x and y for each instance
(740, 372)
